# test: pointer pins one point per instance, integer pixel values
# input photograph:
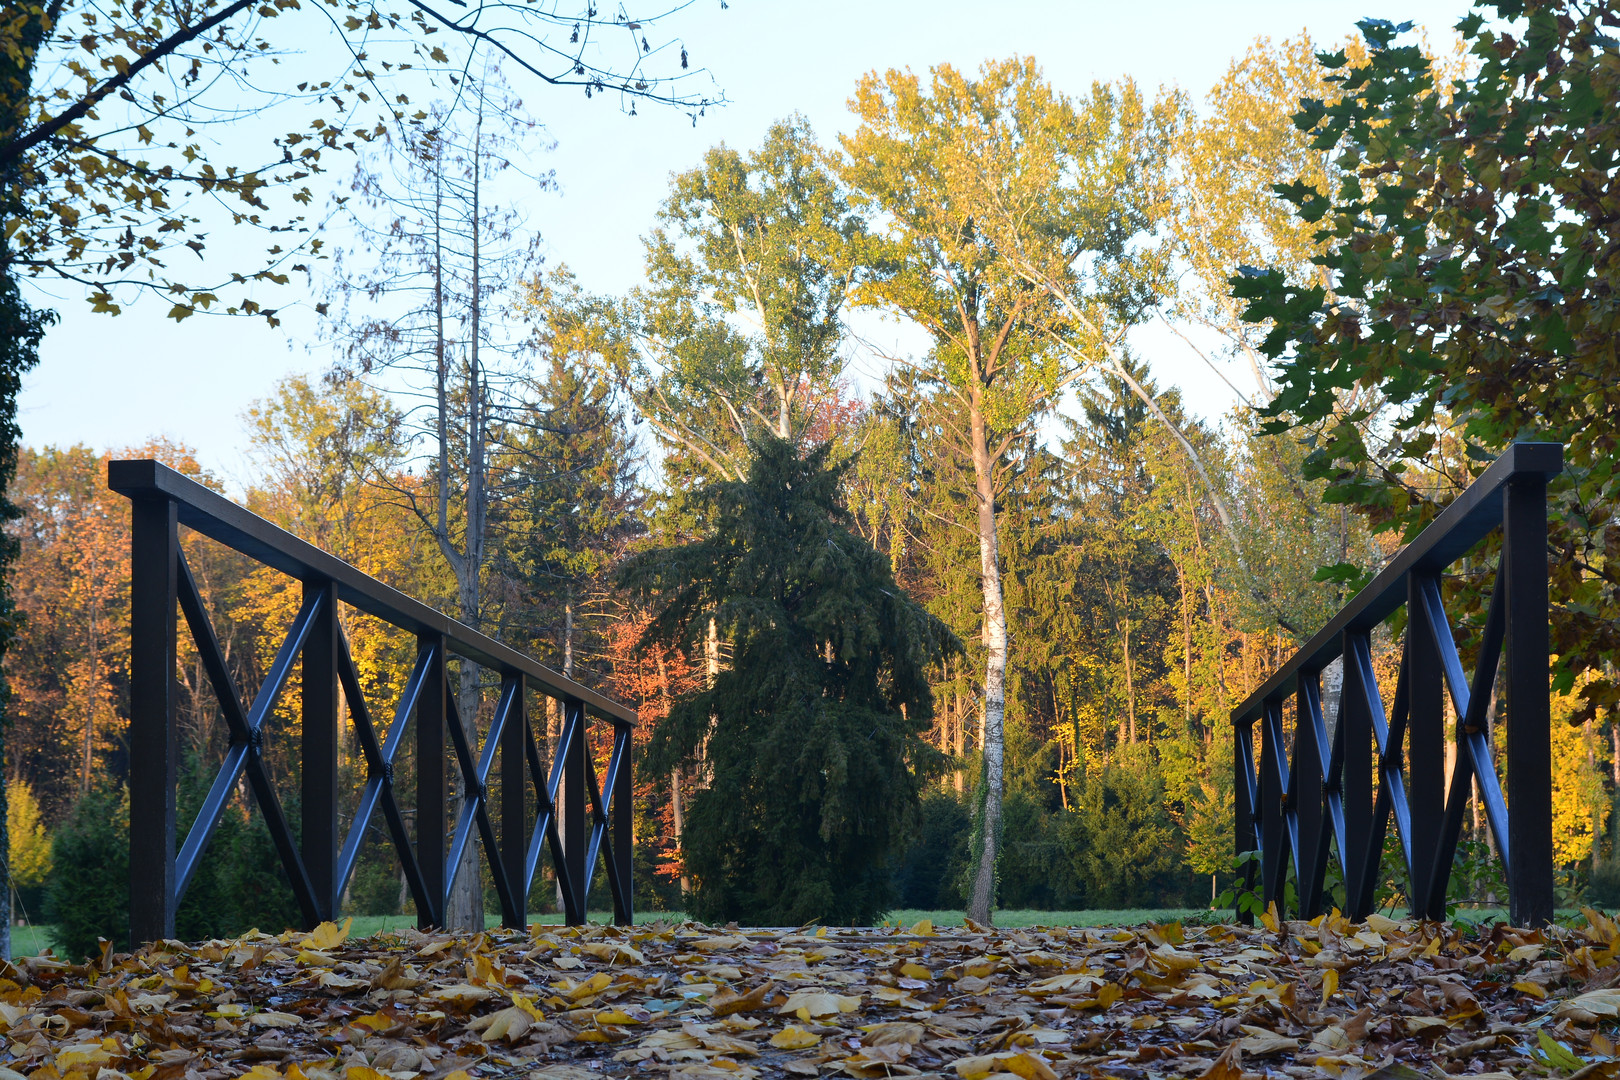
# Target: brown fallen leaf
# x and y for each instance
(1229, 1066)
(727, 1002)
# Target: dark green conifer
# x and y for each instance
(810, 735)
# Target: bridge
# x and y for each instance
(591, 824)
(1339, 787)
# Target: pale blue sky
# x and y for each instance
(114, 382)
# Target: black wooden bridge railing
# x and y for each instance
(317, 864)
(1296, 804)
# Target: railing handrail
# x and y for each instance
(224, 521)
(1469, 519)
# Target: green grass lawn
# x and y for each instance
(31, 940)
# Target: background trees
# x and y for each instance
(1120, 566)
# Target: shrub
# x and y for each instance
(1121, 842)
(88, 892)
(927, 878)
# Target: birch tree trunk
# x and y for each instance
(988, 836)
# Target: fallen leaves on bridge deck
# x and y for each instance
(1330, 998)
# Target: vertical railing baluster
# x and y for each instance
(623, 823)
(319, 748)
(514, 793)
(576, 807)
(1529, 752)
(1356, 726)
(1306, 778)
(1245, 812)
(1425, 741)
(1274, 831)
(153, 734)
(431, 716)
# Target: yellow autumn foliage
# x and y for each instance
(30, 847)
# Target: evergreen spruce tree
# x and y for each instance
(812, 734)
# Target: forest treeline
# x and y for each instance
(1117, 566)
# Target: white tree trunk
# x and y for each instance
(988, 831)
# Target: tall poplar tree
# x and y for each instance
(936, 161)
(740, 324)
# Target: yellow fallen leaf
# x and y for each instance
(312, 958)
(376, 1022)
(1070, 982)
(269, 1018)
(1535, 990)
(564, 1072)
(890, 1033)
(924, 928)
(1107, 994)
(1526, 952)
(509, 1024)
(613, 952)
(1330, 983)
(981, 967)
(591, 986)
(527, 1004)
(615, 1016)
(1597, 1002)
(794, 1038)
(331, 980)
(1258, 1042)
(362, 1072)
(328, 935)
(1415, 1024)
(1170, 932)
(1018, 1063)
(669, 1039)
(1173, 960)
(915, 971)
(463, 993)
(82, 1054)
(260, 1071)
(809, 1004)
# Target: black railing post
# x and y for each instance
(1244, 814)
(514, 791)
(319, 749)
(576, 804)
(1307, 778)
(1529, 753)
(1273, 824)
(153, 743)
(623, 796)
(1426, 744)
(1356, 776)
(431, 716)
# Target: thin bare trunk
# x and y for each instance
(465, 907)
(995, 668)
(1130, 685)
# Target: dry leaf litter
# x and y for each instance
(1331, 998)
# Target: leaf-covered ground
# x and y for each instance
(1329, 998)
